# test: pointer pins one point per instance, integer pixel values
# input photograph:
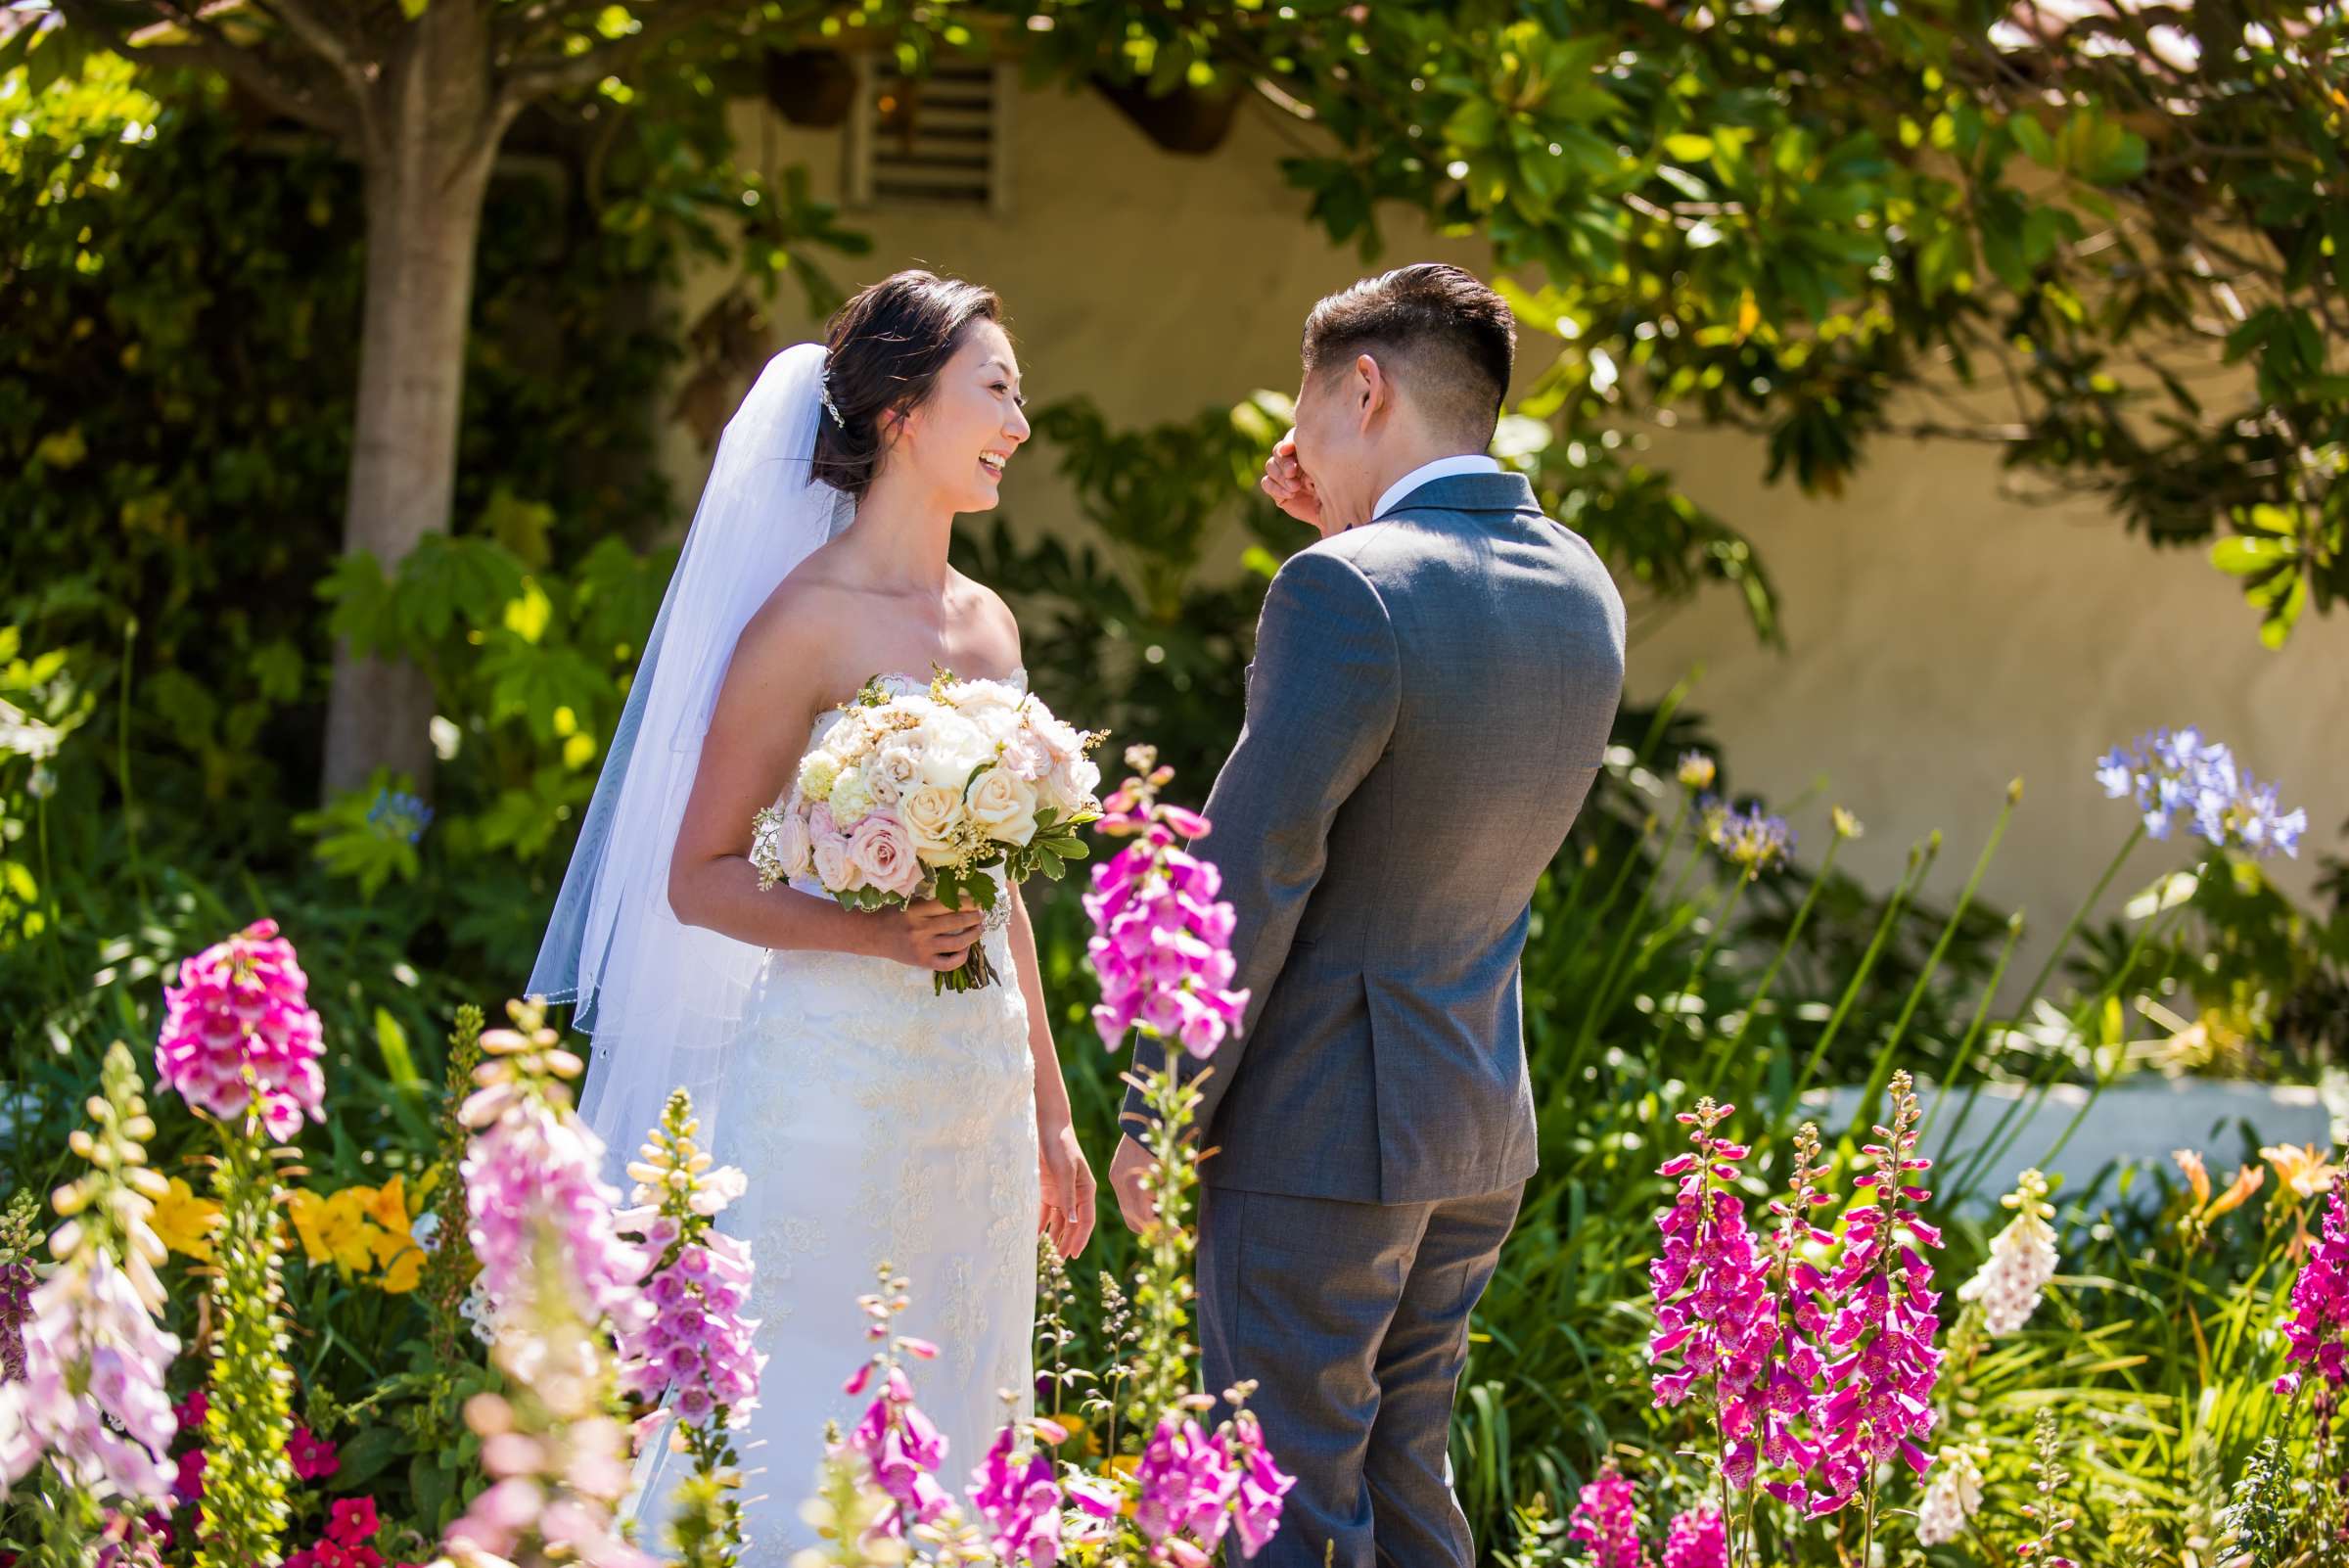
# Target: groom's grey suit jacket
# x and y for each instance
(1430, 700)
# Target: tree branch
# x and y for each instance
(207, 49)
(537, 79)
(328, 38)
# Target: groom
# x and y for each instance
(1434, 684)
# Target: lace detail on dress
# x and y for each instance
(877, 1120)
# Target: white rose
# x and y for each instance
(950, 748)
(851, 800)
(1004, 805)
(880, 785)
(890, 772)
(932, 816)
(1026, 754)
(1073, 783)
(1063, 740)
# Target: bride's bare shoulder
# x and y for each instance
(802, 618)
(992, 628)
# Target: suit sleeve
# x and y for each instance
(1321, 702)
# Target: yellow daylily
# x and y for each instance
(387, 1205)
(2194, 1223)
(333, 1229)
(185, 1222)
(2303, 1170)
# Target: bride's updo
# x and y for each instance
(887, 346)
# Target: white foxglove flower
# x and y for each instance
(477, 1310)
(1953, 1497)
(2022, 1260)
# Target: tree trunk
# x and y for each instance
(428, 154)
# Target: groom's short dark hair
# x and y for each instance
(1454, 339)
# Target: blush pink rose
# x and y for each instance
(835, 868)
(795, 845)
(883, 854)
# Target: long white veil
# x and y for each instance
(664, 1001)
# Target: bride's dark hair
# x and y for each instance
(886, 348)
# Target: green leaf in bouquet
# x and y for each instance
(982, 889)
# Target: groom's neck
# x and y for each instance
(1407, 454)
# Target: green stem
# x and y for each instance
(1920, 860)
(1996, 1145)
(1668, 1010)
(1604, 996)
(130, 815)
(1932, 965)
(1770, 974)
(2119, 1055)
(54, 936)
(1623, 874)
(2047, 970)
(1981, 1021)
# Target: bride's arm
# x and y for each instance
(1068, 1180)
(755, 737)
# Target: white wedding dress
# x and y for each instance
(877, 1122)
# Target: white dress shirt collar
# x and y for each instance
(1428, 473)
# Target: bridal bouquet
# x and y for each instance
(922, 794)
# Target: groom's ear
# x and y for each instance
(1371, 388)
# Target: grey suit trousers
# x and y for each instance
(1352, 1317)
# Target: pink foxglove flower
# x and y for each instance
(1797, 1323)
(543, 1226)
(1019, 1500)
(1713, 1310)
(695, 1338)
(904, 1449)
(1699, 1539)
(1953, 1497)
(531, 1159)
(1262, 1486)
(1184, 1484)
(1606, 1519)
(90, 1331)
(2022, 1260)
(2317, 1332)
(238, 1025)
(1879, 1396)
(1162, 942)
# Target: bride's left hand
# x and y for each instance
(1068, 1188)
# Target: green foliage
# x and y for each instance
(1815, 223)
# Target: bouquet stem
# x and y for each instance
(977, 971)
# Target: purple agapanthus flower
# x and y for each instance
(2171, 775)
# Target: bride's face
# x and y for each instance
(957, 442)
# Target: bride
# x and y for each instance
(876, 1119)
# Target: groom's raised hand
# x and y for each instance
(1288, 484)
